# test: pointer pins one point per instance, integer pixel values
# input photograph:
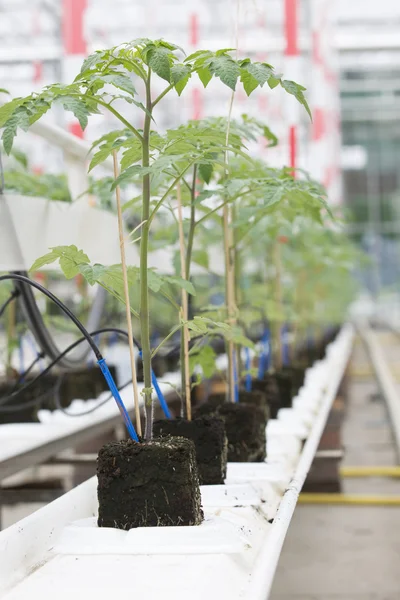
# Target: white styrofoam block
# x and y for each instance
(214, 536)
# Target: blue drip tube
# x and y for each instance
(235, 377)
(285, 346)
(247, 384)
(159, 393)
(114, 390)
(263, 362)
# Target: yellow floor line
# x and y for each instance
(374, 471)
(349, 499)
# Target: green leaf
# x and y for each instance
(180, 74)
(99, 157)
(8, 109)
(122, 82)
(158, 60)
(20, 118)
(204, 358)
(249, 82)
(225, 68)
(70, 260)
(46, 259)
(205, 76)
(77, 107)
(205, 172)
(181, 283)
(296, 90)
(131, 155)
(130, 173)
(4, 91)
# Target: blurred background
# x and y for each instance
(345, 53)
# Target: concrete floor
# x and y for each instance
(349, 552)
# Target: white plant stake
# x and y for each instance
(127, 301)
(184, 309)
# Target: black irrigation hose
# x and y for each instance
(14, 294)
(61, 305)
(29, 369)
(61, 355)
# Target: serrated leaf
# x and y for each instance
(99, 157)
(69, 256)
(122, 82)
(77, 107)
(8, 109)
(130, 173)
(20, 118)
(198, 54)
(179, 72)
(225, 68)
(296, 90)
(46, 259)
(131, 155)
(158, 60)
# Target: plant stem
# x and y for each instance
(127, 301)
(229, 254)
(186, 403)
(144, 290)
(192, 225)
(278, 299)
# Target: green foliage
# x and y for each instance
(106, 76)
(53, 187)
(203, 358)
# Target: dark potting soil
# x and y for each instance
(245, 428)
(285, 386)
(149, 484)
(269, 387)
(209, 437)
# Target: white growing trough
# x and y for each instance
(60, 552)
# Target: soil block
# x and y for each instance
(149, 484)
(269, 386)
(245, 428)
(209, 437)
(285, 386)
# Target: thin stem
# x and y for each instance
(184, 316)
(144, 290)
(192, 226)
(229, 253)
(161, 96)
(170, 188)
(126, 295)
(161, 344)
